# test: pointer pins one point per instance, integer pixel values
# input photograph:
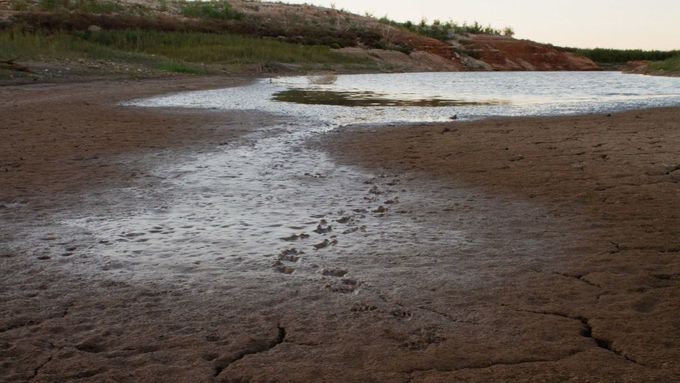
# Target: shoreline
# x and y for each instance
(538, 249)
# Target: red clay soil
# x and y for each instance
(507, 54)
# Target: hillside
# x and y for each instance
(128, 31)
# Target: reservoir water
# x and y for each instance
(429, 97)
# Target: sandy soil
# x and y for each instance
(555, 256)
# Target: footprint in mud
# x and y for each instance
(322, 228)
(362, 307)
(401, 313)
(344, 286)
(295, 237)
(355, 229)
(290, 255)
(132, 235)
(325, 244)
(334, 272)
(375, 190)
(423, 338)
(156, 230)
(283, 269)
(343, 220)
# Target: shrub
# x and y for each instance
(620, 56)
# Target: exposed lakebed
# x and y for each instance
(270, 202)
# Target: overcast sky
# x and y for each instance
(650, 24)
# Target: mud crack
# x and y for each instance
(491, 364)
(579, 277)
(36, 371)
(36, 322)
(256, 348)
(618, 248)
(586, 331)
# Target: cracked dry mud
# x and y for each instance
(529, 250)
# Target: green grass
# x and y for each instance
(85, 6)
(166, 51)
(220, 10)
(669, 65)
(176, 67)
(214, 48)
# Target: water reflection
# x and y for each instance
(366, 98)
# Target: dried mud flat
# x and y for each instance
(547, 252)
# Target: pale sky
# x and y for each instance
(624, 24)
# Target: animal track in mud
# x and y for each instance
(363, 307)
(422, 338)
(322, 229)
(355, 229)
(401, 313)
(290, 255)
(283, 269)
(295, 237)
(343, 220)
(326, 243)
(334, 272)
(344, 286)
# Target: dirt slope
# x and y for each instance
(507, 54)
(307, 24)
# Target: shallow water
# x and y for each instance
(246, 205)
(429, 97)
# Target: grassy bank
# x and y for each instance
(671, 65)
(181, 52)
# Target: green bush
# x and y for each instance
(444, 30)
(620, 56)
